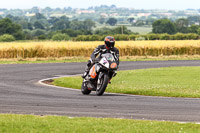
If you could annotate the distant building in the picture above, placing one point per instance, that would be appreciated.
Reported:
(104, 15)
(30, 14)
(166, 14)
(85, 11)
(143, 14)
(114, 14)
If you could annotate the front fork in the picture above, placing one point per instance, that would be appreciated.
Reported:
(99, 78)
(114, 73)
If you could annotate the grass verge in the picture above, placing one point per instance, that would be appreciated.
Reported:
(84, 59)
(10, 123)
(168, 82)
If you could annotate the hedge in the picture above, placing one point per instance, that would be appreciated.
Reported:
(120, 37)
(7, 38)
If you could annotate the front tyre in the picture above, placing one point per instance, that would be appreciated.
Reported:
(84, 89)
(103, 84)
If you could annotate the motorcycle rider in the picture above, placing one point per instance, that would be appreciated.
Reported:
(108, 47)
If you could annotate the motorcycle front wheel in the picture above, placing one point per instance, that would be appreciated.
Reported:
(101, 87)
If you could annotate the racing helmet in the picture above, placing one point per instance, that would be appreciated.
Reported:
(109, 42)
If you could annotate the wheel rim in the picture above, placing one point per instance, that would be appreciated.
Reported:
(99, 85)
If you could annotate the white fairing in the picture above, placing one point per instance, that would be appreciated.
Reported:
(104, 62)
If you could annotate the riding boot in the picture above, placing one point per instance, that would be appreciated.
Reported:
(86, 72)
(87, 69)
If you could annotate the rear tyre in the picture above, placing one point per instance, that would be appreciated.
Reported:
(104, 82)
(85, 90)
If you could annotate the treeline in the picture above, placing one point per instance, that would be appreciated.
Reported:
(38, 27)
(182, 25)
(61, 29)
(133, 37)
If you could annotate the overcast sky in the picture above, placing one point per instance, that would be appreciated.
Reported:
(137, 4)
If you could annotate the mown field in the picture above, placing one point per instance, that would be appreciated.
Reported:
(168, 82)
(140, 30)
(60, 124)
(46, 49)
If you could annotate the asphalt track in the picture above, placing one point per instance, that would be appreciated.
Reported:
(21, 93)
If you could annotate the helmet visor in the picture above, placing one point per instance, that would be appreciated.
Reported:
(110, 44)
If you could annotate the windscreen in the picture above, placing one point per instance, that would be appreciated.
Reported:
(108, 56)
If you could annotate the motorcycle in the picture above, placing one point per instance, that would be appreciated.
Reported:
(100, 74)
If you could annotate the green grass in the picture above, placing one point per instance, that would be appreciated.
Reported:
(59, 124)
(85, 59)
(140, 30)
(43, 60)
(168, 82)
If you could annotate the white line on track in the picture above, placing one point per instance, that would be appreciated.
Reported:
(60, 76)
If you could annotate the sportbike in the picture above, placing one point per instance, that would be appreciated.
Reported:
(100, 74)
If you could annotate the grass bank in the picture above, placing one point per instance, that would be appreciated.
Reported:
(60, 124)
(168, 82)
(85, 59)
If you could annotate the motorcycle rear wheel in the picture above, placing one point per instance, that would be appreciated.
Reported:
(84, 90)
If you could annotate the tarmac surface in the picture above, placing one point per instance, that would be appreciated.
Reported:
(20, 93)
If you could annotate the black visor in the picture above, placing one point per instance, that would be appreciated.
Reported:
(110, 44)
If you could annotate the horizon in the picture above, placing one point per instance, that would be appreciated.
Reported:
(142, 4)
(98, 6)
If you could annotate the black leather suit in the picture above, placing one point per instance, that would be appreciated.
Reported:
(101, 49)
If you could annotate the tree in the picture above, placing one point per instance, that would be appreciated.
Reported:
(53, 20)
(76, 25)
(35, 10)
(61, 24)
(41, 37)
(73, 33)
(30, 26)
(24, 24)
(139, 23)
(38, 32)
(164, 26)
(60, 37)
(104, 31)
(194, 19)
(182, 25)
(64, 18)
(7, 38)
(88, 24)
(150, 21)
(111, 21)
(101, 20)
(193, 28)
(28, 34)
(47, 10)
(198, 31)
(11, 17)
(130, 20)
(8, 27)
(39, 16)
(121, 30)
(38, 25)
